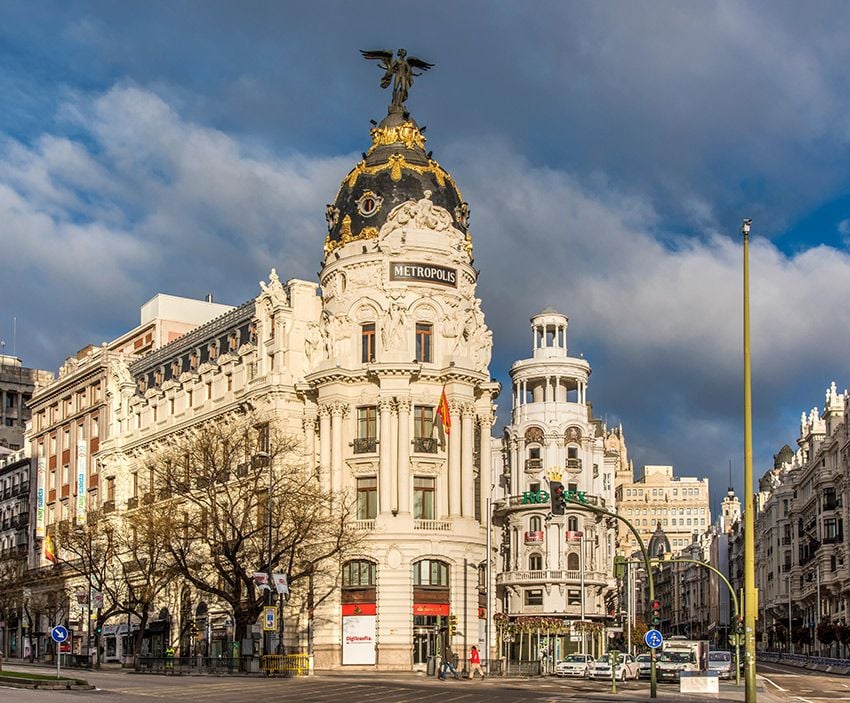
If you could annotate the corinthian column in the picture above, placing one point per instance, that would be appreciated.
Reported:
(467, 460)
(485, 461)
(454, 460)
(324, 444)
(403, 456)
(385, 466)
(338, 411)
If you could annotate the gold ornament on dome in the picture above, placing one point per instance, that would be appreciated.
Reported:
(397, 162)
(346, 235)
(407, 134)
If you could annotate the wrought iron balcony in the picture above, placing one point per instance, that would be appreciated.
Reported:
(574, 464)
(365, 445)
(533, 464)
(425, 445)
(132, 503)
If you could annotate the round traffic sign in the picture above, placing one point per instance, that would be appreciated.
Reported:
(653, 639)
(59, 634)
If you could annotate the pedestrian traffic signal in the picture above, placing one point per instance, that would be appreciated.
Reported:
(556, 494)
(452, 625)
(656, 613)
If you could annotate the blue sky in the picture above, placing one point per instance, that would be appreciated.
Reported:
(608, 151)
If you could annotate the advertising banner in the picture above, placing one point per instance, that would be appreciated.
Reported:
(41, 473)
(358, 639)
(82, 465)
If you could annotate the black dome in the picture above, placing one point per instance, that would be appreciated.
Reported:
(395, 169)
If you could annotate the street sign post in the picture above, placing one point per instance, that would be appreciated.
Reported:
(59, 634)
(653, 639)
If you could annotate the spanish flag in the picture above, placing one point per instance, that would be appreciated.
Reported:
(49, 549)
(443, 412)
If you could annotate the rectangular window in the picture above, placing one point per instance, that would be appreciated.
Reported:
(367, 430)
(423, 429)
(367, 342)
(534, 596)
(367, 498)
(423, 498)
(423, 342)
(110, 489)
(573, 597)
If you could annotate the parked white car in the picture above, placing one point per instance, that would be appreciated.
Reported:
(644, 662)
(575, 665)
(627, 668)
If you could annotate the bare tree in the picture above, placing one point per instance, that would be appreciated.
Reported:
(146, 560)
(244, 487)
(90, 550)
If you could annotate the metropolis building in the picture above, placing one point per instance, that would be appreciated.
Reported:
(354, 367)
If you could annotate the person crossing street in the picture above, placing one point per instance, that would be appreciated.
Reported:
(475, 663)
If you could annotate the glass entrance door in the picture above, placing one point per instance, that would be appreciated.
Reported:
(425, 633)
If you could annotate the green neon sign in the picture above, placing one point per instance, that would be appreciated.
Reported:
(530, 497)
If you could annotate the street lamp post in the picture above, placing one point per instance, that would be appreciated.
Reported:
(750, 604)
(267, 635)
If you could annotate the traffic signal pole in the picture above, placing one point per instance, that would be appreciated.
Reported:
(574, 500)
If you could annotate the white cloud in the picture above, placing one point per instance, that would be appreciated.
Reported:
(142, 200)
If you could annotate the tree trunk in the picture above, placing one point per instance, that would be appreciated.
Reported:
(140, 636)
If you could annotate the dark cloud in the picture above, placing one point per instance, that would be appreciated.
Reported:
(608, 151)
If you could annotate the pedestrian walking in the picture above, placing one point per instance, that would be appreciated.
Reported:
(475, 663)
(448, 663)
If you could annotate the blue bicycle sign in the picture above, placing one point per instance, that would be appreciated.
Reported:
(59, 634)
(653, 639)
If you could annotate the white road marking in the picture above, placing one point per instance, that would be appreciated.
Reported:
(773, 683)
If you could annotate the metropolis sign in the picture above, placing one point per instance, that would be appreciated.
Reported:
(428, 273)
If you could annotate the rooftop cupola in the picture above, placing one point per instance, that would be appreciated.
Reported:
(549, 334)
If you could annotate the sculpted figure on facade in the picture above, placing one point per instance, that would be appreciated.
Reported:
(274, 292)
(421, 214)
(335, 333)
(313, 345)
(392, 329)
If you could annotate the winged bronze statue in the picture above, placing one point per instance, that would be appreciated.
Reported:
(398, 71)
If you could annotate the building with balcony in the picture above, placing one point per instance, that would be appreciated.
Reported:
(70, 420)
(17, 384)
(802, 551)
(678, 504)
(554, 566)
(15, 528)
(353, 367)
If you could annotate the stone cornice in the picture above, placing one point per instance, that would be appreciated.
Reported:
(193, 338)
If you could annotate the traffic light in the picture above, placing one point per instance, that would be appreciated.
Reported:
(452, 625)
(656, 613)
(739, 624)
(556, 493)
(619, 566)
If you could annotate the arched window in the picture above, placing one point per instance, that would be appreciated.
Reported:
(430, 572)
(358, 573)
(572, 562)
(535, 562)
(572, 523)
(535, 524)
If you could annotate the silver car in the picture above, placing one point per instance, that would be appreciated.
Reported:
(644, 662)
(721, 662)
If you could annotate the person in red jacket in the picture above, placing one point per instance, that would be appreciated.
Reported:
(475, 663)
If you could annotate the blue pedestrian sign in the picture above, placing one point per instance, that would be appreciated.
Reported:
(59, 634)
(653, 639)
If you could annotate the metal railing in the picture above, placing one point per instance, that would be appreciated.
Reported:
(286, 664)
(425, 445)
(365, 445)
(197, 665)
